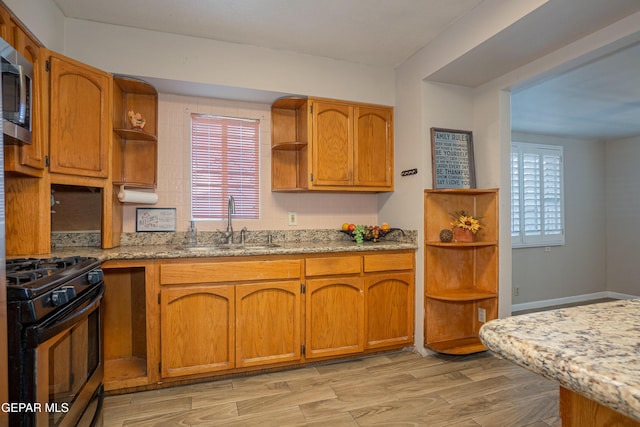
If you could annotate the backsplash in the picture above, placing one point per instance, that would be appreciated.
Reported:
(62, 240)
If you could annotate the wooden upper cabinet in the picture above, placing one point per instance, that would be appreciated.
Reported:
(332, 142)
(80, 116)
(33, 156)
(26, 159)
(6, 25)
(373, 147)
(328, 145)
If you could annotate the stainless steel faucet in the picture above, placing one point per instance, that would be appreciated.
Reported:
(192, 234)
(231, 209)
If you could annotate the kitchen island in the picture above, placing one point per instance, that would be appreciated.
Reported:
(592, 351)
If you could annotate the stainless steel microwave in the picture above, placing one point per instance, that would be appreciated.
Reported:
(17, 95)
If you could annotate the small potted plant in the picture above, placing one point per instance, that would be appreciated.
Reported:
(464, 227)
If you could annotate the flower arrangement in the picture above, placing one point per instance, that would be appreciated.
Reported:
(465, 221)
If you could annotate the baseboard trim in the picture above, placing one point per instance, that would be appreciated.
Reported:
(569, 300)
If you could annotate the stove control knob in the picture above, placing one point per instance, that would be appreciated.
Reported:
(71, 292)
(59, 298)
(95, 276)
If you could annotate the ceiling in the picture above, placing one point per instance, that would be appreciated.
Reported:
(598, 100)
(373, 32)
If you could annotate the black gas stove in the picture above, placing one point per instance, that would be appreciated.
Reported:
(42, 285)
(55, 340)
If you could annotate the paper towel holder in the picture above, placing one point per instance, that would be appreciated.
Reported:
(139, 197)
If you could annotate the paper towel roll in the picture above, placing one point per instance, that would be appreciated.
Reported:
(143, 197)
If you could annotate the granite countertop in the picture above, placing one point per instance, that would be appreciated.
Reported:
(204, 250)
(593, 350)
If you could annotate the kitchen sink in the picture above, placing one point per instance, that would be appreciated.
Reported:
(228, 247)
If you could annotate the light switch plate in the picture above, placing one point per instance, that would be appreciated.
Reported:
(482, 315)
(293, 218)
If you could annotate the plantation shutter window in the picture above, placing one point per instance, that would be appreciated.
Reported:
(224, 162)
(537, 200)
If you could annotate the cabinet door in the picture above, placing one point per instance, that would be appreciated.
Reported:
(373, 147)
(80, 111)
(267, 323)
(334, 317)
(196, 329)
(27, 159)
(389, 309)
(33, 155)
(6, 25)
(332, 144)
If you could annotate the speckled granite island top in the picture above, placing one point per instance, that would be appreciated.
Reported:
(593, 350)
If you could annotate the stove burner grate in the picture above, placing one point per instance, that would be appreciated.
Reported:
(20, 271)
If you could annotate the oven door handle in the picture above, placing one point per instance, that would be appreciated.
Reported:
(41, 333)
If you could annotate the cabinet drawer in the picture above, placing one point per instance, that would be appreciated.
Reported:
(333, 265)
(387, 262)
(229, 271)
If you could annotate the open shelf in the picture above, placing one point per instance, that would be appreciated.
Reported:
(134, 85)
(289, 146)
(462, 295)
(461, 279)
(125, 327)
(135, 135)
(458, 244)
(135, 151)
(125, 373)
(458, 346)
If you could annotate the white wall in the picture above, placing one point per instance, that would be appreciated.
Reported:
(492, 114)
(579, 267)
(421, 105)
(43, 18)
(623, 215)
(168, 56)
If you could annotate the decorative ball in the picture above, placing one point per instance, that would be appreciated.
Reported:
(446, 235)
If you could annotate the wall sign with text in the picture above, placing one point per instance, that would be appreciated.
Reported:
(155, 219)
(452, 158)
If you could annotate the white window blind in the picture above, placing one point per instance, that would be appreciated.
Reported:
(537, 199)
(224, 162)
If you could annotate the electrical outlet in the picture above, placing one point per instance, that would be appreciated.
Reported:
(293, 218)
(482, 315)
(516, 291)
(547, 248)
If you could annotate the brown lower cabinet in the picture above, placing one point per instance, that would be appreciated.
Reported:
(335, 312)
(197, 329)
(181, 320)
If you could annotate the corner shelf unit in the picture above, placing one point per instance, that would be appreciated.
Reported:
(135, 151)
(461, 279)
(289, 144)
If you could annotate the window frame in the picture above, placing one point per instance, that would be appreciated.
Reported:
(246, 207)
(519, 237)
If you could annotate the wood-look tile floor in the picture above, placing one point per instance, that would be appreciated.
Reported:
(393, 389)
